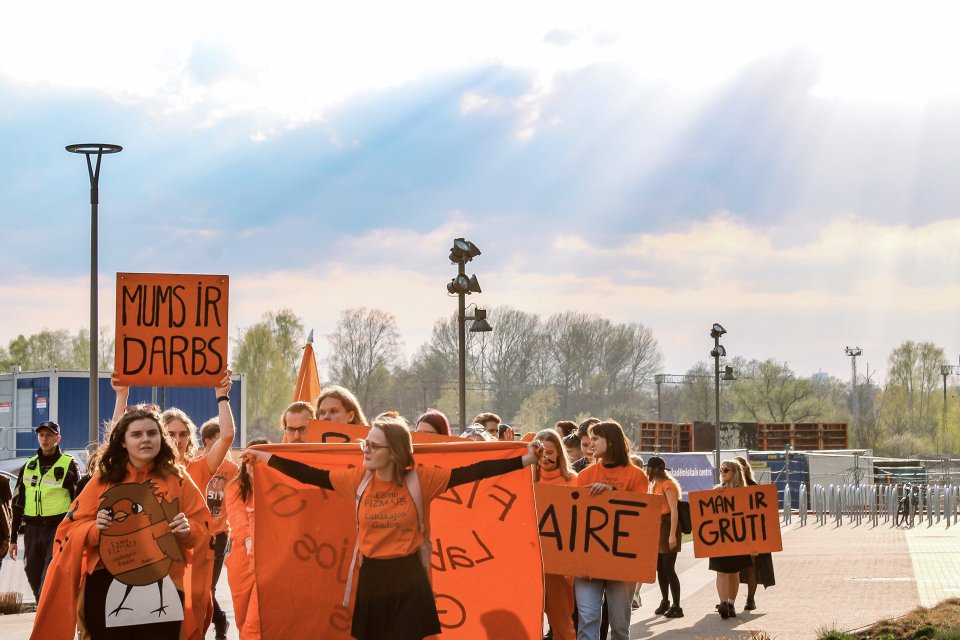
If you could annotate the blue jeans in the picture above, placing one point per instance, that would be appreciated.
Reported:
(590, 594)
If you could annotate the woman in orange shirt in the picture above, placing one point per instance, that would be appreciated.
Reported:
(613, 471)
(663, 483)
(246, 605)
(394, 598)
(139, 499)
(554, 468)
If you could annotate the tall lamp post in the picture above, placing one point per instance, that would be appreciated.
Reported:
(99, 150)
(462, 252)
(945, 370)
(716, 353)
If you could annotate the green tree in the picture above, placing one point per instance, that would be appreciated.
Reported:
(268, 353)
(910, 403)
(538, 411)
(769, 391)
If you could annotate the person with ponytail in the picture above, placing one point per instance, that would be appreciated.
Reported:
(554, 468)
(394, 598)
(662, 483)
(613, 470)
(240, 576)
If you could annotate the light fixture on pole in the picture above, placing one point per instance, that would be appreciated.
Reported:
(462, 252)
(99, 150)
(716, 353)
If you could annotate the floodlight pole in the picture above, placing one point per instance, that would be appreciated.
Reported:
(98, 149)
(716, 393)
(462, 348)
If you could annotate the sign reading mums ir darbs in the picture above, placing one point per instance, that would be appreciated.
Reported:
(171, 329)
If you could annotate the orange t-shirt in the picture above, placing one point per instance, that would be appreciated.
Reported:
(661, 489)
(625, 478)
(555, 477)
(199, 471)
(389, 527)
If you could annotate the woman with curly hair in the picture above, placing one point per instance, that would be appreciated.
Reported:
(138, 488)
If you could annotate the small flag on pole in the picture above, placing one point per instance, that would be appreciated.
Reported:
(308, 380)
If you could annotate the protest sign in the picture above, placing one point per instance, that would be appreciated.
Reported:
(735, 521)
(612, 536)
(171, 329)
(481, 532)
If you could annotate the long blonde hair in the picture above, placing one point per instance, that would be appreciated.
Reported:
(347, 399)
(178, 414)
(738, 480)
(563, 459)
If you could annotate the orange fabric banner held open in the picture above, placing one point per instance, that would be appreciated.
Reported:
(734, 522)
(322, 431)
(487, 576)
(611, 536)
(171, 329)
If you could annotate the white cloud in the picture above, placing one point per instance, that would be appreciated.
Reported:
(856, 282)
(295, 60)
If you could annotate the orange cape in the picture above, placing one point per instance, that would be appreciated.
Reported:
(75, 555)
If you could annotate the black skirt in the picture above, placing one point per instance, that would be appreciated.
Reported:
(394, 601)
(763, 562)
(730, 564)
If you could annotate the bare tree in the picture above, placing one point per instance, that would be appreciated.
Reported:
(364, 347)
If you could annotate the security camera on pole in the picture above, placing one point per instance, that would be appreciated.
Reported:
(462, 252)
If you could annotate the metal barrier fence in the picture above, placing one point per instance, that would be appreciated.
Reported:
(899, 505)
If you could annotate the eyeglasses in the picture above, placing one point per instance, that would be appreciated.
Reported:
(725, 470)
(294, 430)
(371, 447)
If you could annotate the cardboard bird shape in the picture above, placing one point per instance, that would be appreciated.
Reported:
(138, 546)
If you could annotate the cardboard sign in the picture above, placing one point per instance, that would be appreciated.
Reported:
(482, 532)
(171, 329)
(734, 522)
(611, 536)
(138, 547)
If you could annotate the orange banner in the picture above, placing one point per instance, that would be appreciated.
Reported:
(611, 536)
(322, 431)
(171, 329)
(482, 533)
(734, 522)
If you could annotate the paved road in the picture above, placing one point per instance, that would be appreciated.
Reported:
(827, 577)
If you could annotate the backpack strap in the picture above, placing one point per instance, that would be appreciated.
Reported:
(356, 546)
(412, 480)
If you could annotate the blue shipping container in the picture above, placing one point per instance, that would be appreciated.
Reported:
(781, 475)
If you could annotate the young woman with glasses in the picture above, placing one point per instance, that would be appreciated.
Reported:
(394, 598)
(728, 568)
(613, 471)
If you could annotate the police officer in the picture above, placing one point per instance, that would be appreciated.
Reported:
(46, 486)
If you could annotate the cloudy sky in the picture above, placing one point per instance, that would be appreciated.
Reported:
(789, 173)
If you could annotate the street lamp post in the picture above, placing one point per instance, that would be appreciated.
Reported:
(98, 149)
(462, 252)
(718, 352)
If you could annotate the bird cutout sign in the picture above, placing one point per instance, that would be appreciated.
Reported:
(138, 548)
